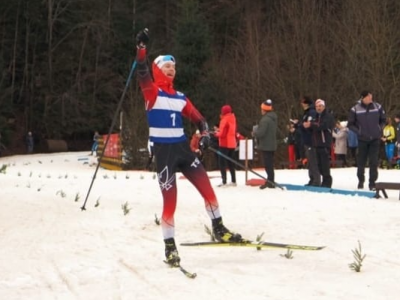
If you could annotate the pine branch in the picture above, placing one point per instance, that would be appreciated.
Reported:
(358, 257)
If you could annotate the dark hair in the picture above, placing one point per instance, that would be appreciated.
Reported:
(397, 116)
(306, 100)
(364, 94)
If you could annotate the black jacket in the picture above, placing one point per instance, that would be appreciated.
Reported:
(309, 115)
(367, 121)
(322, 129)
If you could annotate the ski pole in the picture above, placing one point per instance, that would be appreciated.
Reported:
(110, 130)
(244, 168)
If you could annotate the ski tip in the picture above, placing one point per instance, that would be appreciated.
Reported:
(184, 271)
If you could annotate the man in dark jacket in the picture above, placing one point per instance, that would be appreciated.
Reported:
(367, 119)
(321, 129)
(266, 136)
(309, 115)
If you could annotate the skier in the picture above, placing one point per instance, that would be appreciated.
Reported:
(95, 144)
(165, 109)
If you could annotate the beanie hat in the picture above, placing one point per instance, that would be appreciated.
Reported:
(163, 59)
(267, 105)
(226, 109)
(319, 102)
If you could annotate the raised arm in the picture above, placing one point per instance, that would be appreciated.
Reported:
(149, 89)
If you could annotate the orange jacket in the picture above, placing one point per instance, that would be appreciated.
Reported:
(227, 131)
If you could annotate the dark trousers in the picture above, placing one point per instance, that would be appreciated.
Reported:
(223, 162)
(353, 153)
(312, 161)
(324, 166)
(268, 157)
(368, 150)
(342, 158)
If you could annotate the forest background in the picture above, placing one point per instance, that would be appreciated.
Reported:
(64, 63)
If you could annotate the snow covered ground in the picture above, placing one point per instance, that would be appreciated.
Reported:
(51, 249)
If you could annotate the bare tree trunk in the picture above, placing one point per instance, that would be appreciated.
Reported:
(50, 42)
(26, 80)
(81, 60)
(15, 57)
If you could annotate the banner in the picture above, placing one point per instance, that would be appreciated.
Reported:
(113, 146)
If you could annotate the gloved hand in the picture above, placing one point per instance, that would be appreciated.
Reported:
(142, 38)
(204, 142)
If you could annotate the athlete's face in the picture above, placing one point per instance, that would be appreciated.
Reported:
(169, 70)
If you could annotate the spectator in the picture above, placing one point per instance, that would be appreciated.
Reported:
(367, 119)
(352, 143)
(194, 144)
(309, 115)
(322, 128)
(29, 142)
(294, 145)
(226, 135)
(265, 133)
(389, 138)
(214, 144)
(397, 120)
(340, 134)
(95, 144)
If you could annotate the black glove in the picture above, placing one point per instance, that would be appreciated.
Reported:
(142, 38)
(204, 142)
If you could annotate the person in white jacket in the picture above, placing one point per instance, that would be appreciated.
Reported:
(340, 135)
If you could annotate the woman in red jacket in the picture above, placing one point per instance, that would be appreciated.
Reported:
(227, 143)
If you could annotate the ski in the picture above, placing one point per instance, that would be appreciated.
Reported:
(184, 271)
(254, 244)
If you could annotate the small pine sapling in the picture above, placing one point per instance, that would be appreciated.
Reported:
(125, 208)
(61, 193)
(3, 169)
(97, 202)
(77, 197)
(288, 254)
(157, 220)
(358, 259)
(259, 239)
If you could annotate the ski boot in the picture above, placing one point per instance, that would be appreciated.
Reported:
(222, 234)
(171, 253)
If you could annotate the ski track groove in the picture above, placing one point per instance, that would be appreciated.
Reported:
(132, 270)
